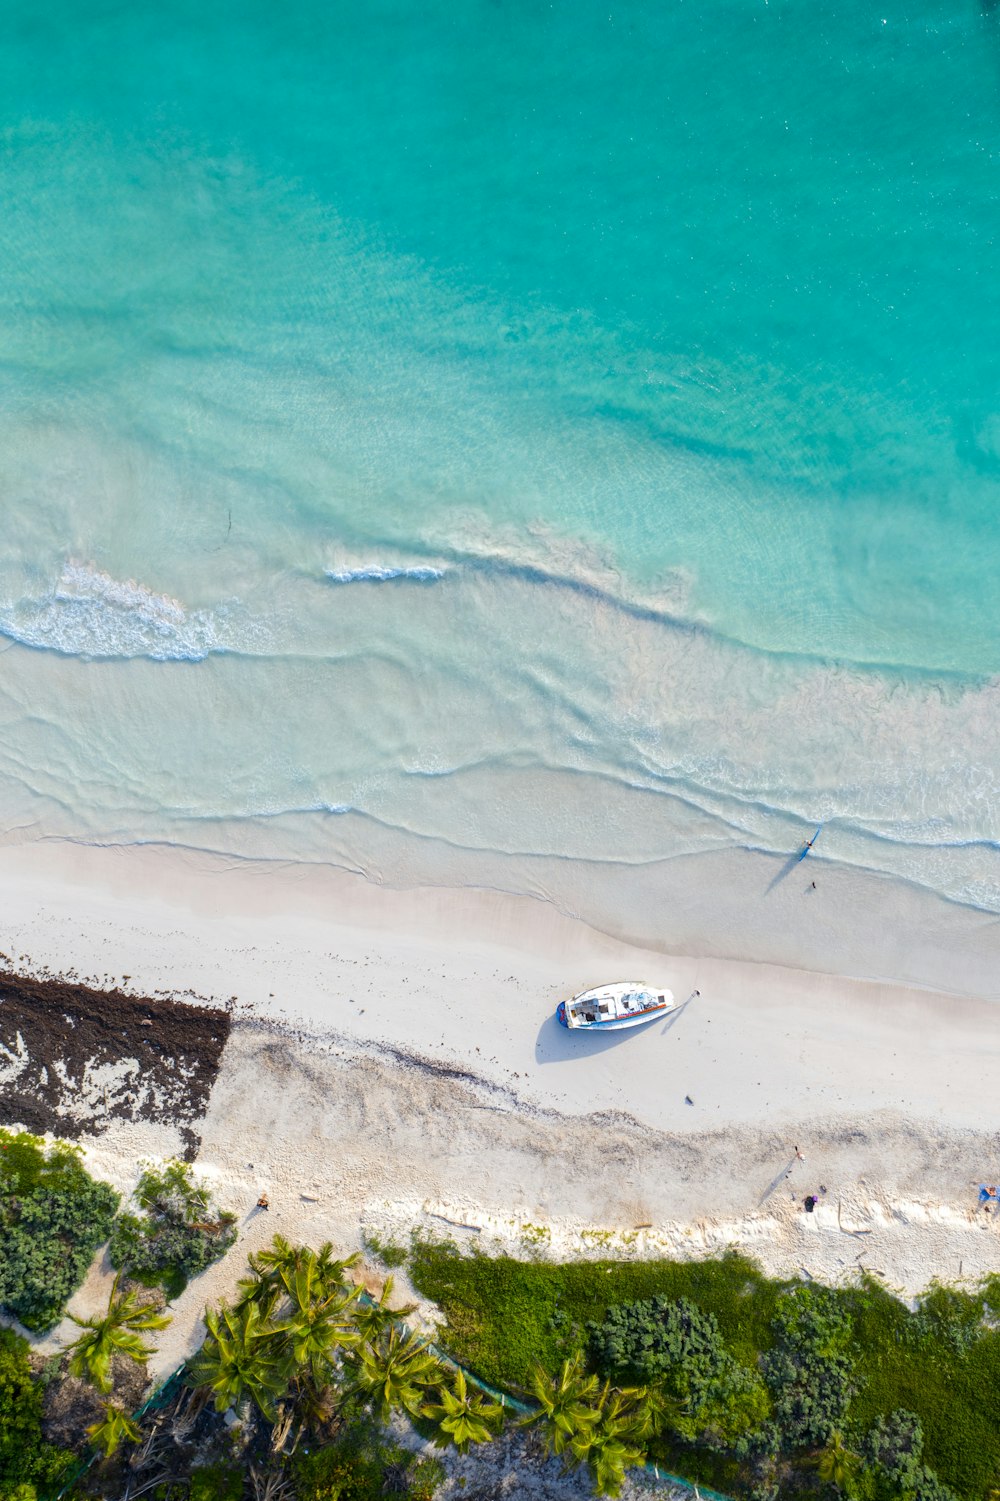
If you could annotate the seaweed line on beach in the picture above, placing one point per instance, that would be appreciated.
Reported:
(73, 1058)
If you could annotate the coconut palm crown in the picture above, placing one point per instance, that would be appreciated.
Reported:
(315, 1322)
(568, 1404)
(116, 1332)
(239, 1360)
(463, 1417)
(610, 1446)
(394, 1372)
(113, 1429)
(372, 1319)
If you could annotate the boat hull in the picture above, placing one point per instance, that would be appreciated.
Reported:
(614, 1008)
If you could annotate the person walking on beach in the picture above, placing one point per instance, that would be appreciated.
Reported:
(262, 1202)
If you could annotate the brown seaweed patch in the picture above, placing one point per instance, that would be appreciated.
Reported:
(72, 1059)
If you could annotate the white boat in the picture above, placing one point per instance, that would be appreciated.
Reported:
(608, 1008)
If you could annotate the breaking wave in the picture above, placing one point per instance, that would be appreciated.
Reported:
(92, 615)
(375, 573)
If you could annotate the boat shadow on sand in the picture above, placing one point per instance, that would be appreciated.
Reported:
(557, 1044)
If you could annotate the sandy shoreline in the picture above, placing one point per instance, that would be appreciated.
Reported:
(394, 1063)
(472, 979)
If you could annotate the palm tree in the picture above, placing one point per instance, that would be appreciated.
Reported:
(303, 1300)
(633, 1411)
(372, 1319)
(463, 1417)
(609, 1457)
(260, 1287)
(838, 1465)
(317, 1322)
(116, 1427)
(567, 1403)
(276, 1264)
(117, 1332)
(611, 1446)
(394, 1372)
(331, 1269)
(656, 1411)
(240, 1358)
(279, 1253)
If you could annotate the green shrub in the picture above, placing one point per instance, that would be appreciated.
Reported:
(895, 1448)
(390, 1256)
(506, 1316)
(951, 1316)
(26, 1459)
(810, 1371)
(53, 1217)
(424, 1479)
(338, 1473)
(871, 1357)
(178, 1233)
(660, 1339)
(216, 1483)
(674, 1344)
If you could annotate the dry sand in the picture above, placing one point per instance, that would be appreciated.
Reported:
(395, 1063)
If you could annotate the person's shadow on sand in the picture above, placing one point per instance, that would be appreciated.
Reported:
(775, 1183)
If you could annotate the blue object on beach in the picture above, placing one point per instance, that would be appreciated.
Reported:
(810, 843)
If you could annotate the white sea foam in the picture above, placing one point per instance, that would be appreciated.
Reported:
(87, 613)
(378, 573)
(515, 729)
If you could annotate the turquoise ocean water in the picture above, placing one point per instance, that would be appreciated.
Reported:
(436, 437)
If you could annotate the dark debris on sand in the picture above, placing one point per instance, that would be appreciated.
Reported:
(72, 1059)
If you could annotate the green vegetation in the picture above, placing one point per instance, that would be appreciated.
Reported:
(392, 1372)
(762, 1386)
(115, 1427)
(361, 1467)
(506, 1316)
(53, 1217)
(758, 1387)
(303, 1354)
(117, 1332)
(26, 1460)
(675, 1345)
(586, 1422)
(463, 1417)
(390, 1256)
(177, 1234)
(216, 1483)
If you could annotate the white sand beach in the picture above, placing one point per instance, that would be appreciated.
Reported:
(395, 1063)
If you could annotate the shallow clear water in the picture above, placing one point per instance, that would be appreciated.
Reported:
(503, 431)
